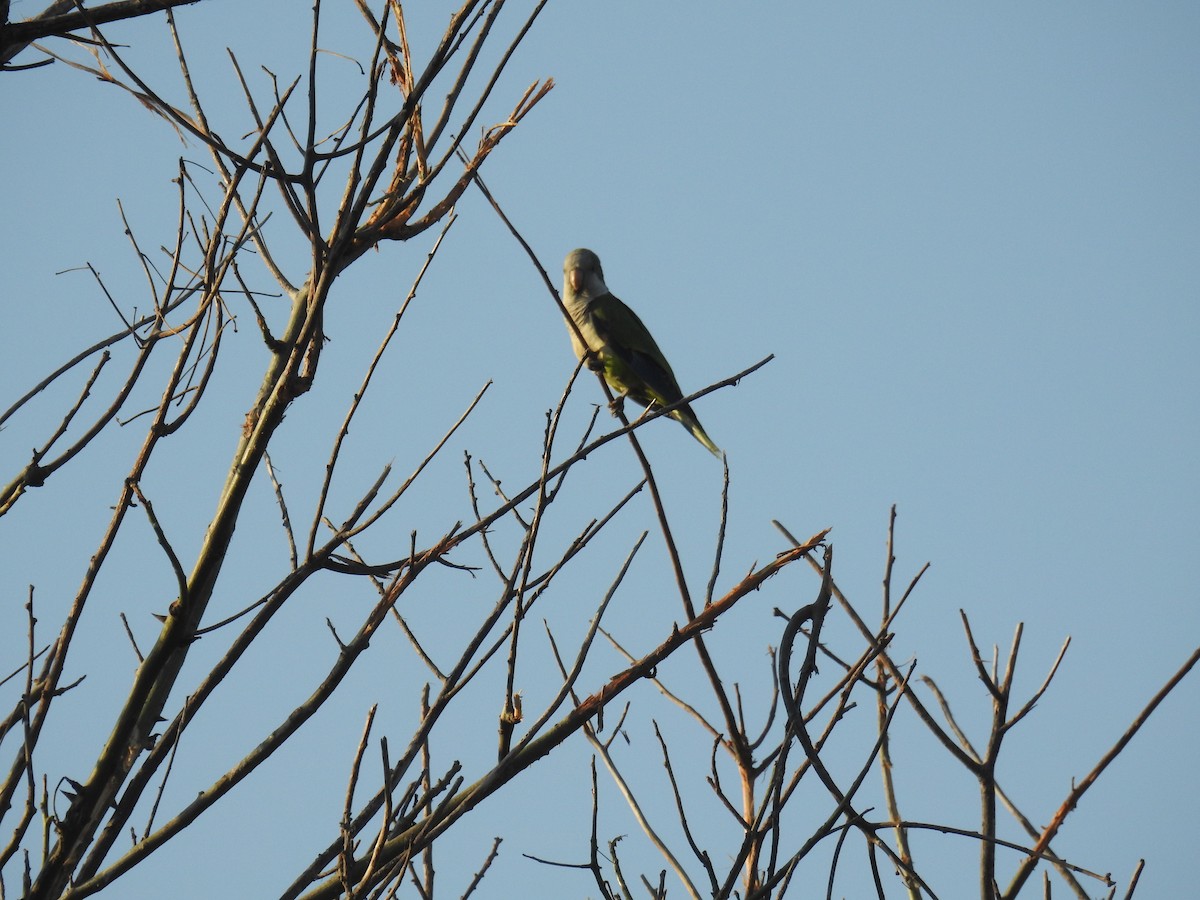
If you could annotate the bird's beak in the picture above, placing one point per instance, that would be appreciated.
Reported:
(575, 279)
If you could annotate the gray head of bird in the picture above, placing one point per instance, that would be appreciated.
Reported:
(583, 279)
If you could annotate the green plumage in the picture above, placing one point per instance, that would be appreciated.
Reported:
(631, 361)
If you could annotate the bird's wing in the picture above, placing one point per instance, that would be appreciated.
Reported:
(625, 335)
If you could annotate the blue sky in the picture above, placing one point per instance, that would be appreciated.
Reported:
(969, 234)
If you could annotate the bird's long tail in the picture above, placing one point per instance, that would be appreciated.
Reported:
(688, 420)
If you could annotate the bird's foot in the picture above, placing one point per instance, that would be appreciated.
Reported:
(617, 406)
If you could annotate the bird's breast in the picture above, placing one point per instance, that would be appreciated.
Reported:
(581, 316)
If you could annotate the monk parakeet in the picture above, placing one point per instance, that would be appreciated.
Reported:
(626, 354)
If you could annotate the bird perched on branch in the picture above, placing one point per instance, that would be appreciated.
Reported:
(623, 350)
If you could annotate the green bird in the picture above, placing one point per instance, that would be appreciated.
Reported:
(625, 353)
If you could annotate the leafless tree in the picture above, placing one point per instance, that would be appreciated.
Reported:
(388, 174)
